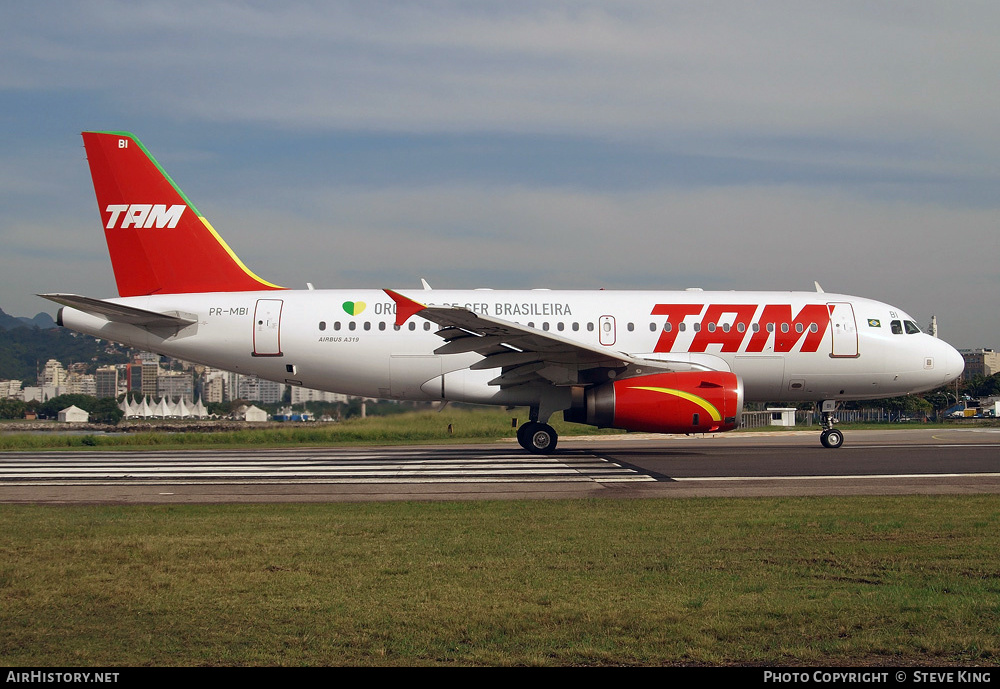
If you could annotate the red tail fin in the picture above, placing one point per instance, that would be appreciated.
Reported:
(158, 241)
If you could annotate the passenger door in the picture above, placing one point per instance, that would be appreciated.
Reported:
(267, 327)
(844, 329)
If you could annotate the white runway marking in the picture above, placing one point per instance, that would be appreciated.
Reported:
(846, 477)
(307, 466)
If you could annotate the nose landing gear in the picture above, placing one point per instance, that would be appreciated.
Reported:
(830, 437)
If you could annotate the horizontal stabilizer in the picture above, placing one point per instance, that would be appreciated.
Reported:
(120, 313)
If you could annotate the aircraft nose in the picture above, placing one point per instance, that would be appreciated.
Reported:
(950, 361)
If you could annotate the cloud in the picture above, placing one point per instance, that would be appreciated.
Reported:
(628, 69)
(524, 144)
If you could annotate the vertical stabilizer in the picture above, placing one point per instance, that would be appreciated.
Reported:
(158, 241)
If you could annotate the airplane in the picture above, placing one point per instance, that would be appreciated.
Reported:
(680, 362)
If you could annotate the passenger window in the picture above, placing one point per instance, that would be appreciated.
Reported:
(413, 326)
(576, 326)
(381, 325)
(427, 325)
(336, 325)
(631, 327)
(799, 328)
(897, 328)
(784, 327)
(352, 325)
(322, 325)
(368, 325)
(560, 327)
(590, 327)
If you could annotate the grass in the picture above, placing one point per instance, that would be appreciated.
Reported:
(449, 425)
(797, 581)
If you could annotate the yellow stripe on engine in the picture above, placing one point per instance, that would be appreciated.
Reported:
(700, 401)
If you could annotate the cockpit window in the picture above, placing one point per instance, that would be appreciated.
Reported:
(911, 327)
(897, 328)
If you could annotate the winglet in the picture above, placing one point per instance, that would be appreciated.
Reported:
(405, 307)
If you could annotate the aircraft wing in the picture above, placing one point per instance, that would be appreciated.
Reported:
(119, 313)
(524, 354)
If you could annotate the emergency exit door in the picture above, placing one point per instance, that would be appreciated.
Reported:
(606, 328)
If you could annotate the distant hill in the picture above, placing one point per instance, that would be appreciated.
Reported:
(42, 320)
(24, 351)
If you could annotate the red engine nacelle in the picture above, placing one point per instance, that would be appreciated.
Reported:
(688, 402)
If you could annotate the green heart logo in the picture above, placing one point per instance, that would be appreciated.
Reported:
(354, 308)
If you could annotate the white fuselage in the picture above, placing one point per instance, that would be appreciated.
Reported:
(785, 346)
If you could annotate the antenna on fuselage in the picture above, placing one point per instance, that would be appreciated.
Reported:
(425, 284)
(818, 288)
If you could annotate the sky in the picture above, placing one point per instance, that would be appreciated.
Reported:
(581, 145)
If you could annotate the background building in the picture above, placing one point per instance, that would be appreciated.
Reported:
(10, 389)
(300, 395)
(174, 385)
(53, 374)
(213, 387)
(150, 373)
(980, 362)
(106, 379)
(80, 384)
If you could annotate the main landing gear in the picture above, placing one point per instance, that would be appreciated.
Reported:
(537, 438)
(830, 437)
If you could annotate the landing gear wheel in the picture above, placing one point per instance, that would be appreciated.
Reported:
(522, 434)
(831, 438)
(537, 438)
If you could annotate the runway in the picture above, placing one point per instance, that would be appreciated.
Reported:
(628, 466)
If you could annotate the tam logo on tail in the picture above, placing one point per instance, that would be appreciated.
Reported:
(144, 215)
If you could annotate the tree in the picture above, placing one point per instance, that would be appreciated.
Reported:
(12, 409)
(106, 410)
(51, 409)
(983, 386)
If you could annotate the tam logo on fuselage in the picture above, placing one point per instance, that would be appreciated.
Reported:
(742, 327)
(144, 215)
